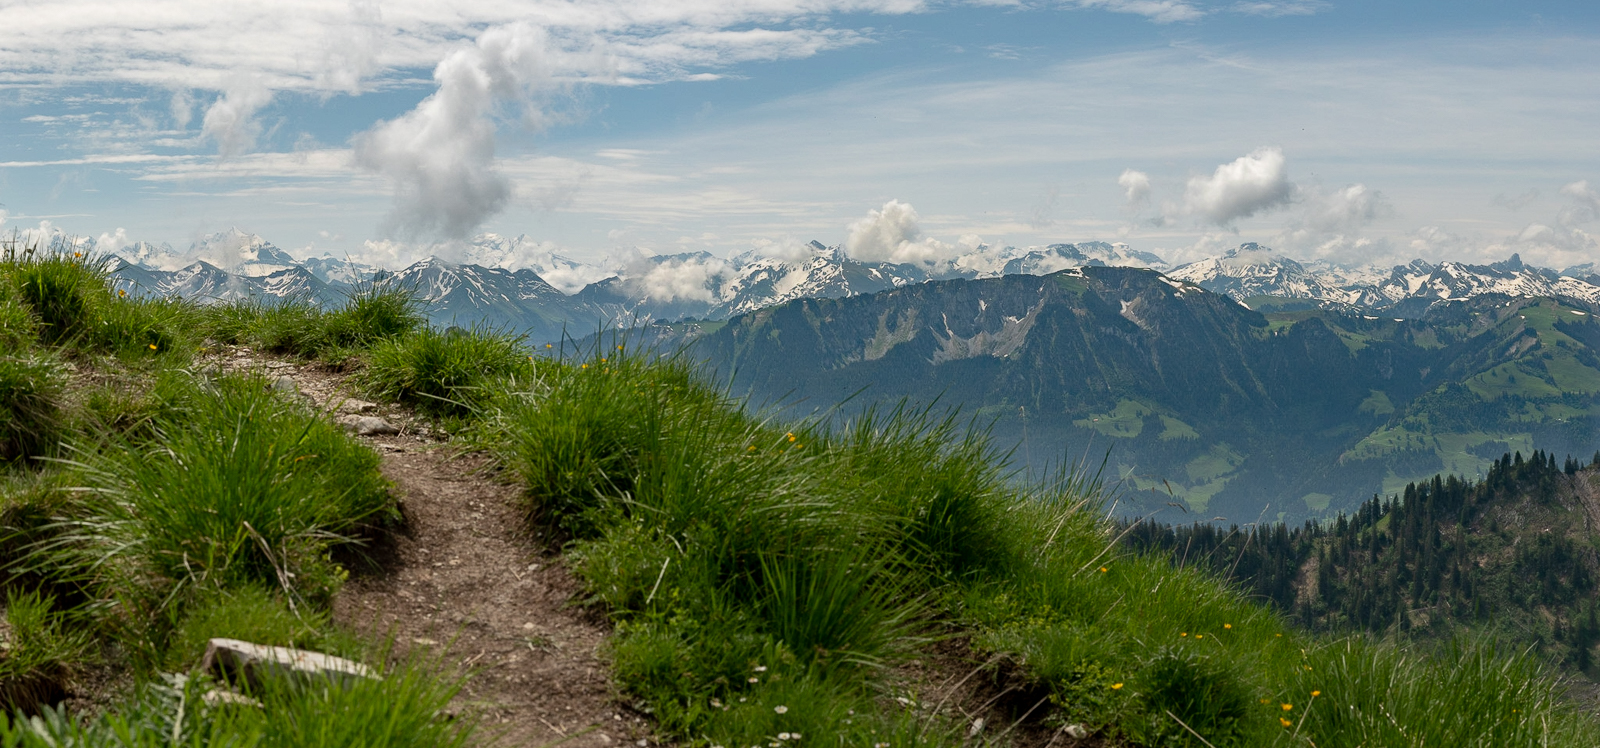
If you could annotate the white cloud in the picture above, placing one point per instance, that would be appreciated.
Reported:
(440, 155)
(1344, 211)
(893, 235)
(691, 278)
(109, 242)
(1276, 8)
(1160, 11)
(231, 123)
(1248, 185)
(1585, 203)
(1135, 186)
(1329, 225)
(786, 248)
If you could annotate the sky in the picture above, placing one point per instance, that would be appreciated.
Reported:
(1355, 132)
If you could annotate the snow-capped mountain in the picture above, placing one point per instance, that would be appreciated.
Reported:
(476, 296)
(519, 284)
(827, 273)
(986, 262)
(333, 270)
(207, 284)
(1253, 270)
(522, 252)
(232, 251)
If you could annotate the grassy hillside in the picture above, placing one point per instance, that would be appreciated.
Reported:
(768, 581)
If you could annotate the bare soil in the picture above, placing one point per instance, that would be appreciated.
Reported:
(463, 581)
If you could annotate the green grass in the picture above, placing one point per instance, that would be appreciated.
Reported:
(444, 373)
(751, 565)
(239, 487)
(369, 314)
(31, 418)
(401, 710)
(147, 508)
(41, 651)
(253, 613)
(67, 300)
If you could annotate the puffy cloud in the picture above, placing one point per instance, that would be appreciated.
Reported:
(695, 277)
(231, 123)
(1250, 184)
(1585, 204)
(111, 242)
(1135, 187)
(440, 155)
(892, 234)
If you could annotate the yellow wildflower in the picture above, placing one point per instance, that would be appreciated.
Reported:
(1116, 686)
(1284, 722)
(1287, 707)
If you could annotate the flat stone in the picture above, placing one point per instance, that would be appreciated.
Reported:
(356, 406)
(284, 384)
(367, 425)
(251, 662)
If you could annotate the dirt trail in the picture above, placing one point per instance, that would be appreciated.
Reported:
(463, 580)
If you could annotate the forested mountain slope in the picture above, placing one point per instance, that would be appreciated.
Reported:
(1205, 405)
(1515, 553)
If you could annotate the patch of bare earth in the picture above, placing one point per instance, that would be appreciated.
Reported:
(989, 695)
(462, 580)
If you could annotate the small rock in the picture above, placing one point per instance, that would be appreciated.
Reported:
(284, 384)
(251, 662)
(1077, 732)
(367, 425)
(356, 406)
(977, 727)
(220, 697)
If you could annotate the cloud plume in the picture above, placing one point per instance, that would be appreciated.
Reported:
(440, 155)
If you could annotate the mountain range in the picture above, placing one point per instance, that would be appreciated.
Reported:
(1201, 405)
(522, 285)
(1244, 385)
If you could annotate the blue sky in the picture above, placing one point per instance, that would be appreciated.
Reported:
(1347, 131)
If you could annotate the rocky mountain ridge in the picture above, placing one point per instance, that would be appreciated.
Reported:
(516, 283)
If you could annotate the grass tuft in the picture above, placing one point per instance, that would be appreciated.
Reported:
(444, 373)
(31, 419)
(241, 487)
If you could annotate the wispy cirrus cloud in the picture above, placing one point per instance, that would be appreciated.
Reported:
(1160, 11)
(1279, 8)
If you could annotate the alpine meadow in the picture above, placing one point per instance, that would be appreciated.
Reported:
(773, 374)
